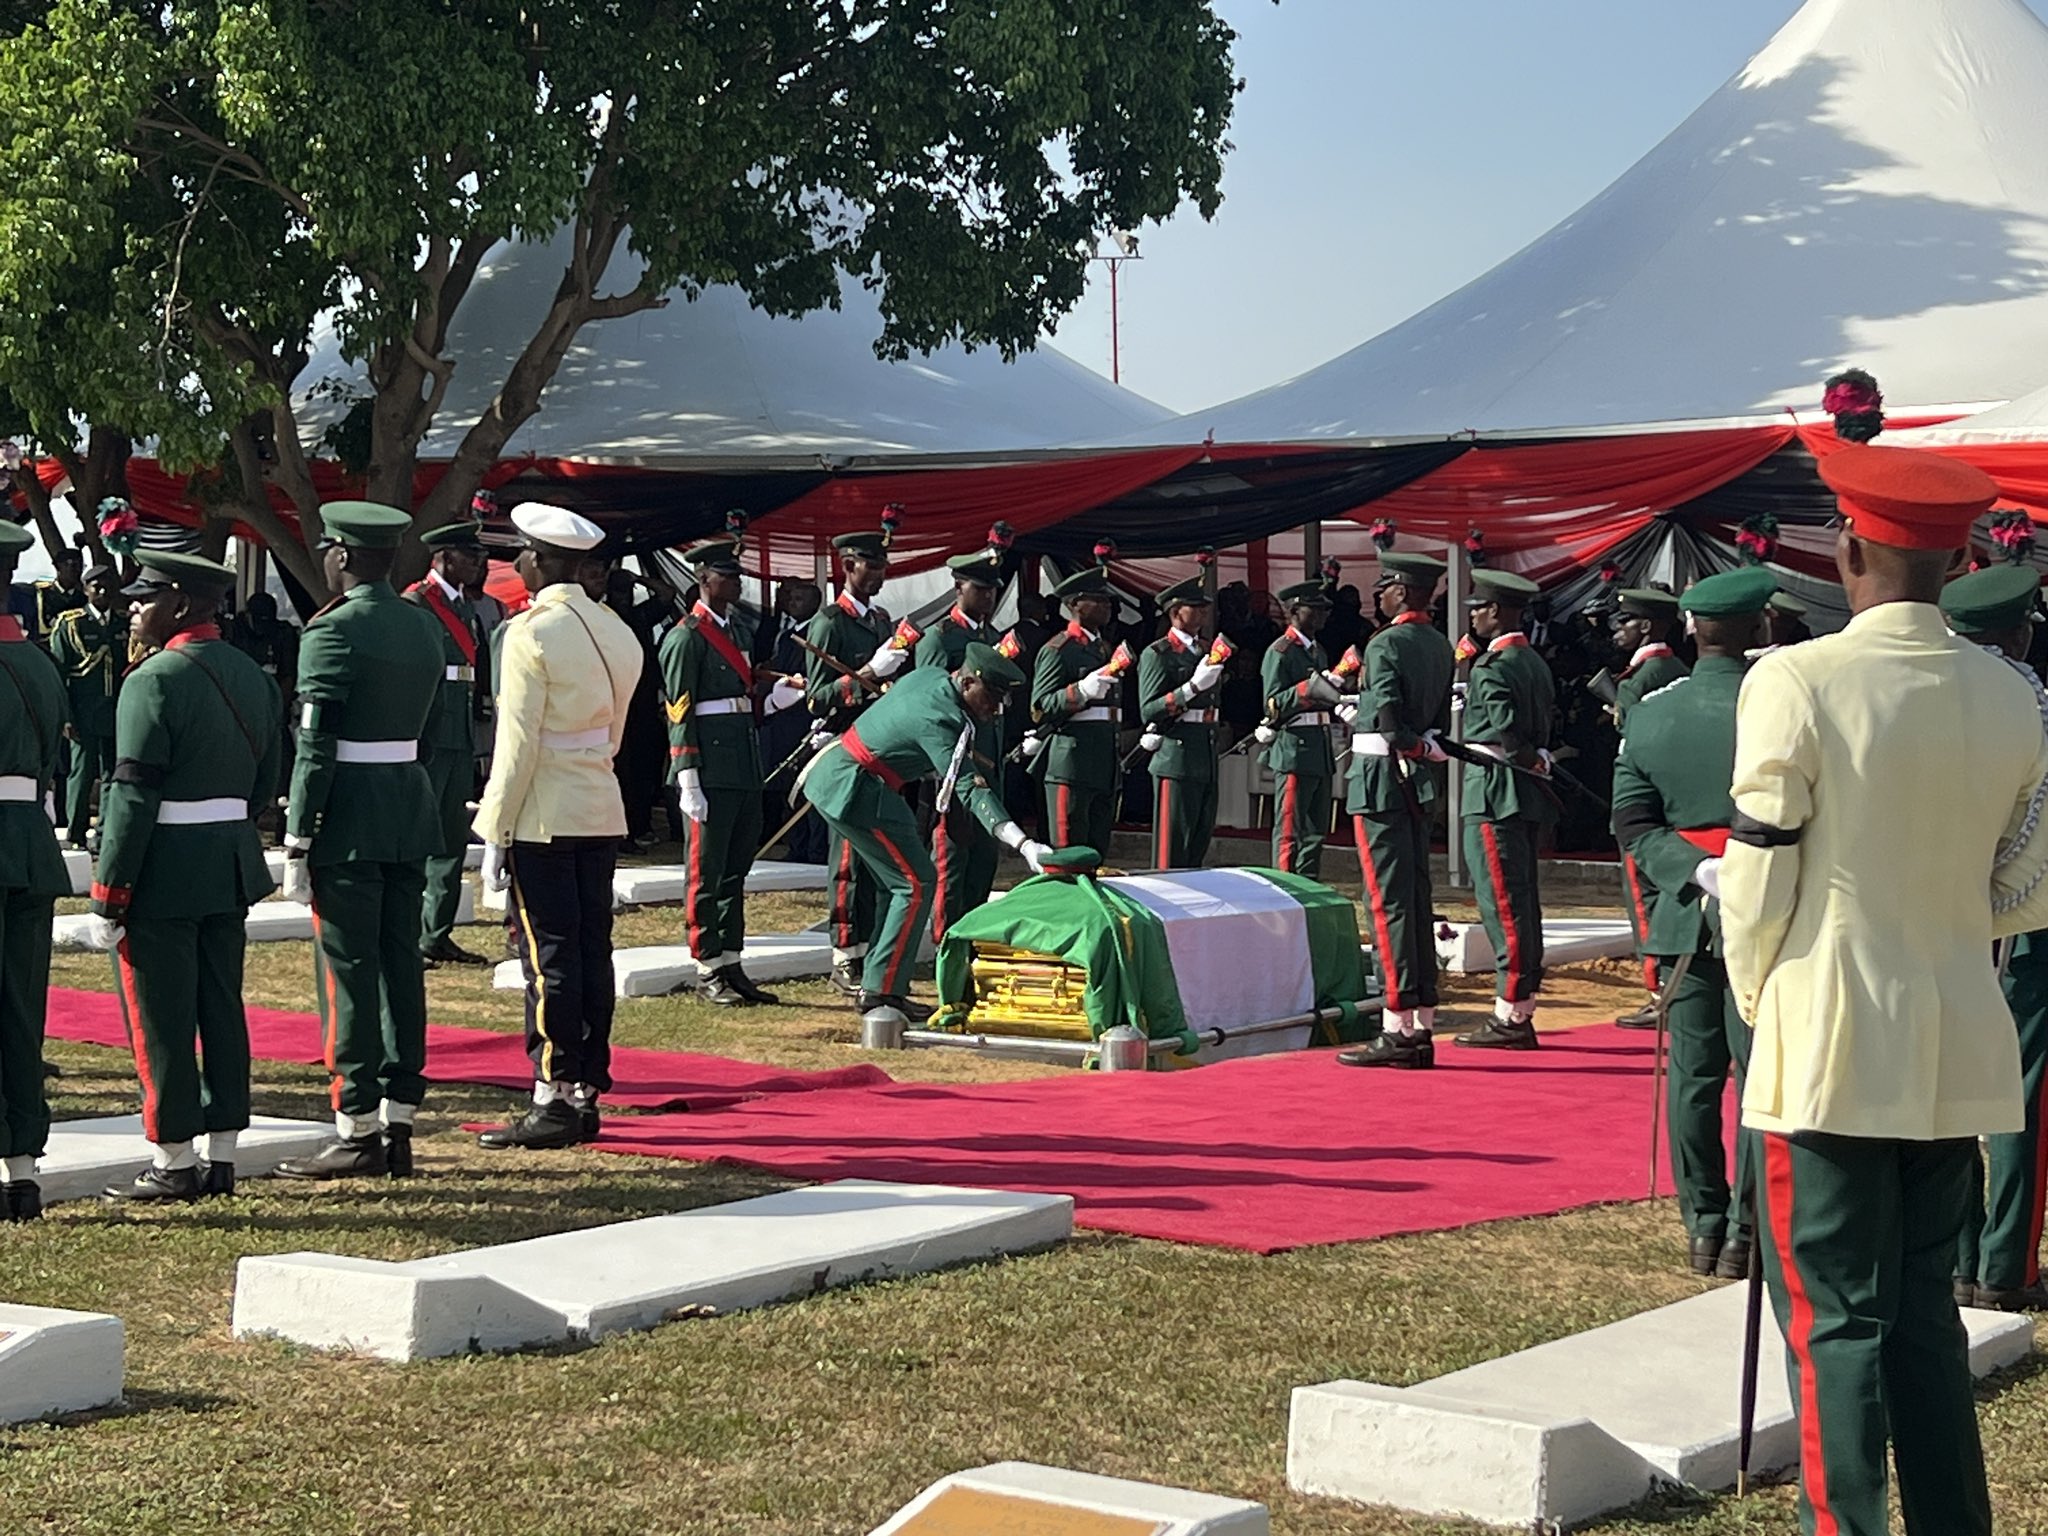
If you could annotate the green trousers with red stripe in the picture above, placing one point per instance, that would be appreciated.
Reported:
(2000, 1247)
(1393, 862)
(180, 982)
(718, 852)
(1638, 903)
(1708, 1043)
(1301, 823)
(1861, 1234)
(854, 897)
(1501, 856)
(25, 919)
(888, 851)
(966, 857)
(1079, 816)
(452, 772)
(1183, 821)
(372, 990)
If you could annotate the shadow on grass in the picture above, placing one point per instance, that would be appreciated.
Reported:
(136, 1402)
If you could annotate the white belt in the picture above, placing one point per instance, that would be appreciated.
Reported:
(460, 674)
(719, 707)
(576, 741)
(201, 813)
(1197, 717)
(1371, 744)
(18, 787)
(376, 751)
(1312, 717)
(1099, 712)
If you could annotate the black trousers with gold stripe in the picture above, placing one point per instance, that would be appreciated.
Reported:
(560, 913)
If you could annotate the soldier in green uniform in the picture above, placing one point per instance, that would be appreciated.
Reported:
(855, 632)
(1177, 684)
(1075, 719)
(1643, 621)
(90, 646)
(1672, 804)
(64, 591)
(926, 724)
(1404, 706)
(1999, 1260)
(359, 829)
(32, 877)
(962, 850)
(708, 692)
(1509, 701)
(181, 863)
(1300, 693)
(449, 754)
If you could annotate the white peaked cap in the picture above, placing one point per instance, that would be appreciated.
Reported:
(558, 526)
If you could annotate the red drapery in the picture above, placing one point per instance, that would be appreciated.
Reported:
(2020, 469)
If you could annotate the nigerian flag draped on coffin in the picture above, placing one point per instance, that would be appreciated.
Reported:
(1182, 949)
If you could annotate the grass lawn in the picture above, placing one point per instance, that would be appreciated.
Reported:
(1110, 1354)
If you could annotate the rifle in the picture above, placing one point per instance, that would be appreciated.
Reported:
(1465, 754)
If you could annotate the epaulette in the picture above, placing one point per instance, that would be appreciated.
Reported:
(690, 622)
(1281, 647)
(320, 613)
(1057, 641)
(1658, 693)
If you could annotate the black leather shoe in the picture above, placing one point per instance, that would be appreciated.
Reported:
(1734, 1262)
(24, 1199)
(1388, 1051)
(448, 952)
(1706, 1253)
(1644, 1017)
(216, 1180)
(846, 977)
(868, 1002)
(1500, 1035)
(743, 984)
(589, 1125)
(716, 988)
(543, 1128)
(2022, 1298)
(398, 1151)
(350, 1158)
(156, 1186)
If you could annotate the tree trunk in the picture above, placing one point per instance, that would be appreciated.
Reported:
(39, 508)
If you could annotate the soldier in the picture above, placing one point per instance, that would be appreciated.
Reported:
(1788, 621)
(551, 818)
(1299, 694)
(32, 877)
(1999, 1257)
(90, 646)
(1177, 679)
(1643, 622)
(855, 633)
(1404, 705)
(1671, 808)
(64, 591)
(962, 850)
(708, 691)
(926, 724)
(359, 828)
(181, 863)
(1506, 805)
(455, 552)
(1075, 720)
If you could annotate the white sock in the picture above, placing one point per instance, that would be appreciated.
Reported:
(220, 1146)
(1425, 1021)
(547, 1093)
(848, 956)
(352, 1128)
(582, 1095)
(1503, 1010)
(20, 1168)
(1525, 1012)
(173, 1154)
(392, 1113)
(1397, 1021)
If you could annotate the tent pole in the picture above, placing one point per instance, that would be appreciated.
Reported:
(1457, 581)
(1311, 550)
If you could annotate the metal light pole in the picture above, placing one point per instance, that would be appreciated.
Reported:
(1126, 250)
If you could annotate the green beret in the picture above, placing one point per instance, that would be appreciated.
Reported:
(1991, 601)
(1305, 594)
(364, 524)
(867, 544)
(991, 666)
(1089, 581)
(193, 574)
(1077, 860)
(14, 538)
(1405, 563)
(1490, 586)
(719, 555)
(1192, 592)
(1785, 602)
(1730, 593)
(982, 568)
(1648, 603)
(453, 536)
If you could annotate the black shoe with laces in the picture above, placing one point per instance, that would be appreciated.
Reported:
(216, 1180)
(543, 1128)
(156, 1186)
(1501, 1035)
(743, 984)
(1412, 1053)
(397, 1151)
(24, 1200)
(352, 1157)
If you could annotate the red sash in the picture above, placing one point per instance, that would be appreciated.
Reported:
(1712, 841)
(720, 641)
(197, 632)
(437, 601)
(10, 628)
(859, 752)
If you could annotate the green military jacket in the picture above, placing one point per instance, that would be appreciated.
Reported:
(449, 729)
(32, 718)
(1674, 774)
(1657, 670)
(703, 664)
(198, 721)
(52, 603)
(1285, 673)
(1510, 703)
(850, 638)
(370, 671)
(913, 732)
(1077, 750)
(945, 645)
(1406, 691)
(1165, 668)
(92, 652)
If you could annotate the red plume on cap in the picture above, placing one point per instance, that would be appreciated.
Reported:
(1757, 539)
(2012, 534)
(736, 525)
(892, 519)
(1382, 534)
(1205, 556)
(1001, 537)
(1331, 569)
(1475, 547)
(1857, 404)
(1105, 551)
(483, 504)
(1610, 573)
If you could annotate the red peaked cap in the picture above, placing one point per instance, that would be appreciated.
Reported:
(1908, 498)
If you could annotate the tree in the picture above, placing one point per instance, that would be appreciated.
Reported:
(238, 167)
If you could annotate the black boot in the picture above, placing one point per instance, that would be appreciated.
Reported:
(589, 1125)
(846, 976)
(543, 1128)
(868, 1002)
(1644, 1017)
(1412, 1052)
(448, 952)
(156, 1186)
(743, 984)
(716, 988)
(24, 1199)
(1705, 1253)
(351, 1157)
(1734, 1263)
(1502, 1035)
(216, 1180)
(398, 1151)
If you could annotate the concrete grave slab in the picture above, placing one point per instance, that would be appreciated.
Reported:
(1576, 1427)
(1025, 1497)
(78, 865)
(472, 858)
(575, 1286)
(1565, 939)
(53, 1361)
(85, 1156)
(269, 922)
(650, 885)
(656, 970)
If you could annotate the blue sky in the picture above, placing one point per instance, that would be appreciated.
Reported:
(1388, 151)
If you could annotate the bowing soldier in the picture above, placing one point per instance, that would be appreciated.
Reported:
(181, 863)
(1178, 676)
(359, 827)
(708, 690)
(1300, 693)
(456, 556)
(90, 646)
(32, 877)
(1404, 706)
(551, 818)
(1671, 810)
(1075, 685)
(1509, 702)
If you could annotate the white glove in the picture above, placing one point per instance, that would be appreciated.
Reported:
(497, 867)
(1031, 746)
(1035, 854)
(1265, 735)
(1207, 675)
(786, 694)
(298, 880)
(103, 933)
(1432, 749)
(1151, 741)
(1347, 713)
(1707, 876)
(1097, 685)
(1543, 760)
(820, 738)
(888, 661)
(690, 794)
